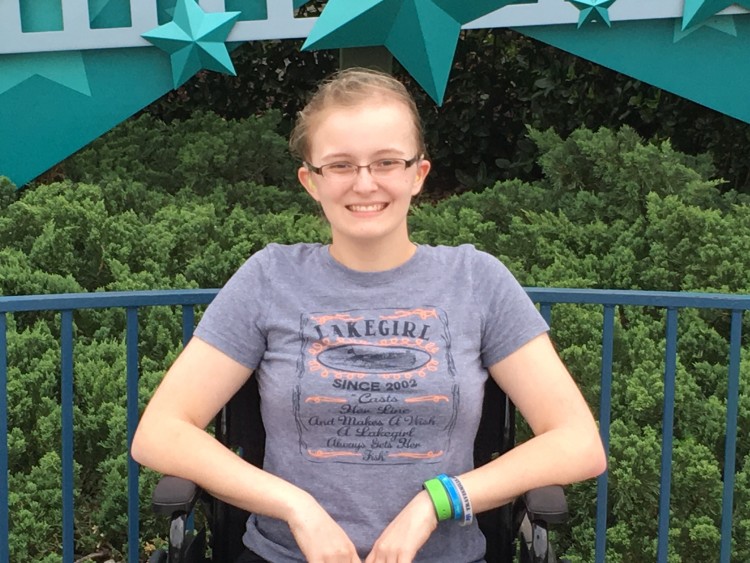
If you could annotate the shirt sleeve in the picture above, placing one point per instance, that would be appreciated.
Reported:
(234, 322)
(510, 318)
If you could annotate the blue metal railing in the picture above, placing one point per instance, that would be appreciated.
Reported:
(546, 298)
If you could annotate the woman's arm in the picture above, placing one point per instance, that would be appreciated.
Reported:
(171, 439)
(566, 448)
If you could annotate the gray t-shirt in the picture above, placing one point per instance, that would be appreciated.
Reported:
(370, 382)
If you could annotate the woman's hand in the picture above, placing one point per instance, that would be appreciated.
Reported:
(407, 533)
(319, 536)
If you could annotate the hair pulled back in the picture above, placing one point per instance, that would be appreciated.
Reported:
(349, 88)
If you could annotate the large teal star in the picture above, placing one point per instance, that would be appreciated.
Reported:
(723, 24)
(195, 40)
(421, 34)
(593, 10)
(698, 11)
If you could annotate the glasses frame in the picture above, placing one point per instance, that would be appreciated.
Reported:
(319, 169)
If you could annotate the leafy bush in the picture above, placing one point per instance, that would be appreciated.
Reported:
(613, 212)
(501, 82)
(608, 211)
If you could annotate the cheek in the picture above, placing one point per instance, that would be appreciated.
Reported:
(328, 197)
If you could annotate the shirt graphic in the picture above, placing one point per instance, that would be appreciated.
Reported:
(375, 386)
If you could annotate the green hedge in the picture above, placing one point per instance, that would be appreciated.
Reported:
(155, 206)
(500, 82)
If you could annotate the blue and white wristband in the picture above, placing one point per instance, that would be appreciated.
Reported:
(467, 516)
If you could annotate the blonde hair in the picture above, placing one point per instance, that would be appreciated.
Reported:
(348, 88)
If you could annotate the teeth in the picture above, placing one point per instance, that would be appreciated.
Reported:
(367, 208)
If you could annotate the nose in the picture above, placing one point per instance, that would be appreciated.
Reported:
(364, 182)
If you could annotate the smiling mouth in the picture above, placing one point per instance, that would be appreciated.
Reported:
(371, 208)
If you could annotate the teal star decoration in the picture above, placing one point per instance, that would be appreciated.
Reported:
(64, 67)
(698, 11)
(723, 24)
(195, 40)
(421, 34)
(593, 10)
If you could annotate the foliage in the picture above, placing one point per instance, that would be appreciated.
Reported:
(501, 82)
(613, 212)
(168, 205)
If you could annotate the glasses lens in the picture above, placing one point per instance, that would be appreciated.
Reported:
(387, 166)
(341, 170)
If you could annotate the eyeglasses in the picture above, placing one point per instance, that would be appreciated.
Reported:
(383, 168)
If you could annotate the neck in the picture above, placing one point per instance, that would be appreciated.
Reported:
(372, 256)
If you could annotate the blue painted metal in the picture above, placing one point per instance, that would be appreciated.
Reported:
(546, 297)
(664, 299)
(550, 295)
(66, 400)
(131, 343)
(114, 299)
(670, 375)
(730, 448)
(4, 555)
(188, 322)
(605, 411)
(545, 309)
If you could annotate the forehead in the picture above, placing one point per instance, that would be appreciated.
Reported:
(362, 129)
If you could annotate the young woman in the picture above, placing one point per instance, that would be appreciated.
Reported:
(371, 355)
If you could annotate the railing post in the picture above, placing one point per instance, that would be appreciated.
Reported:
(66, 398)
(131, 339)
(605, 411)
(730, 448)
(670, 374)
(4, 549)
(545, 309)
(188, 320)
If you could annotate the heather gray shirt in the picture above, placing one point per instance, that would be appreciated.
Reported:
(370, 383)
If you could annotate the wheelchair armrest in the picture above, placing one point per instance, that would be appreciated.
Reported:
(174, 495)
(533, 512)
(545, 504)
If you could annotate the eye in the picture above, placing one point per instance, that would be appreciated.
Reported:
(387, 164)
(339, 167)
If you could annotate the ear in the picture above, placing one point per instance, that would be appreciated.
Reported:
(305, 178)
(423, 168)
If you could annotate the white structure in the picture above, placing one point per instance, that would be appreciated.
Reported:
(281, 23)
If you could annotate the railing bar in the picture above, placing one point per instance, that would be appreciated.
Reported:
(111, 299)
(188, 322)
(730, 448)
(670, 375)
(662, 299)
(131, 339)
(66, 398)
(4, 549)
(545, 309)
(605, 412)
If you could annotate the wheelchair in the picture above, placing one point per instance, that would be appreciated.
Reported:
(514, 532)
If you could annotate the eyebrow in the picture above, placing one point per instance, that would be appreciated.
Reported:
(349, 156)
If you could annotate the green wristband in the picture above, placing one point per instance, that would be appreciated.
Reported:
(440, 499)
